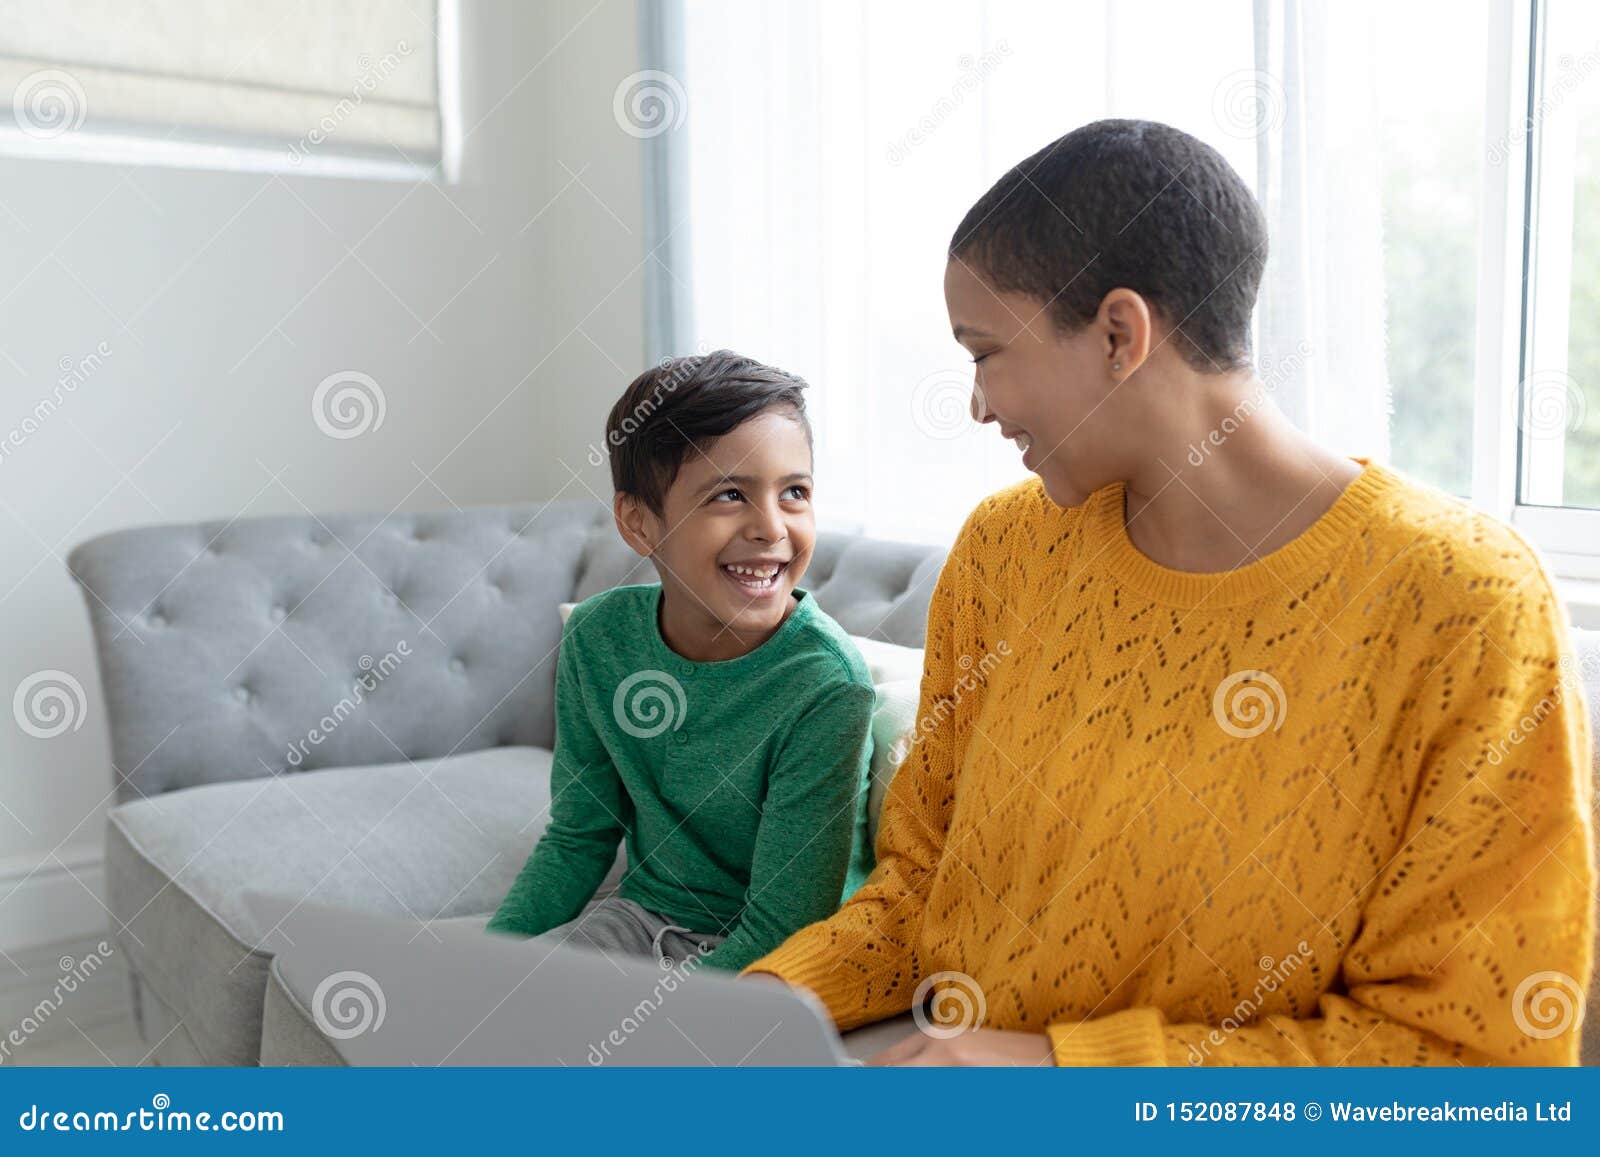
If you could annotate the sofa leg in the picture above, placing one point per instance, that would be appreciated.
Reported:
(135, 999)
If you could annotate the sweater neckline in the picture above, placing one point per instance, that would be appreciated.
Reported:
(1108, 541)
(670, 660)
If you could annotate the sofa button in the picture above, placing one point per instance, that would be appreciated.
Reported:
(278, 612)
(457, 666)
(157, 619)
(242, 693)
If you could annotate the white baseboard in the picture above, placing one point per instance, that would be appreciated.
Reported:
(30, 987)
(42, 903)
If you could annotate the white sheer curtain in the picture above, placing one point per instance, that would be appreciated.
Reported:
(831, 149)
(1320, 319)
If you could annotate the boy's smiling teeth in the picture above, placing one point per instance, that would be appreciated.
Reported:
(756, 577)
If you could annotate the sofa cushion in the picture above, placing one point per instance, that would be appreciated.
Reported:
(888, 662)
(223, 646)
(894, 730)
(434, 839)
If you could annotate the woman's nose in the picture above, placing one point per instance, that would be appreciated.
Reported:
(980, 405)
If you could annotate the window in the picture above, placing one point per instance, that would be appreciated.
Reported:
(1429, 127)
(1430, 173)
(1561, 384)
(1552, 437)
(274, 84)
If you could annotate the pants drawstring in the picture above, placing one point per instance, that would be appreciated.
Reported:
(655, 945)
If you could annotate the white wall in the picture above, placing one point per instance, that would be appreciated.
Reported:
(224, 298)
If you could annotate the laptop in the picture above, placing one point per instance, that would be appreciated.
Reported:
(386, 991)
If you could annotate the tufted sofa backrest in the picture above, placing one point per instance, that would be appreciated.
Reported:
(235, 650)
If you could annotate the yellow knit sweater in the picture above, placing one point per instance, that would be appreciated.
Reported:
(1328, 808)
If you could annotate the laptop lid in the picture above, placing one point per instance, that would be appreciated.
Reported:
(386, 991)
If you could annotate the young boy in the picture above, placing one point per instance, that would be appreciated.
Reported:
(717, 721)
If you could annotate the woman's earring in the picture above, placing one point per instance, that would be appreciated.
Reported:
(1116, 365)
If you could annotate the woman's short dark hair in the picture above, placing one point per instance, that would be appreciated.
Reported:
(1127, 203)
(685, 403)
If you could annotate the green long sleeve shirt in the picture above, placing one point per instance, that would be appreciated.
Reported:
(740, 787)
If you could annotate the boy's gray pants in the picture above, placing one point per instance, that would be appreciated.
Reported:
(613, 924)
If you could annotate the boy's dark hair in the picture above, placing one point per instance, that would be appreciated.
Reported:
(1127, 203)
(684, 403)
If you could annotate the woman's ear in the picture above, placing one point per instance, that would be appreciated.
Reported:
(635, 523)
(1124, 318)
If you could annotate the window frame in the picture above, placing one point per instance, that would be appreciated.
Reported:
(1511, 284)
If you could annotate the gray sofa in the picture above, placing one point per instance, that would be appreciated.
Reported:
(357, 711)
(228, 655)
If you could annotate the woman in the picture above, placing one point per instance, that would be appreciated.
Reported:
(1280, 763)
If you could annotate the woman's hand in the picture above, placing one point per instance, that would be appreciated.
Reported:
(973, 1048)
(979, 1046)
(766, 975)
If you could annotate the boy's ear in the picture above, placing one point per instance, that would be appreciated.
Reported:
(635, 523)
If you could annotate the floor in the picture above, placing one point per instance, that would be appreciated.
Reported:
(89, 1026)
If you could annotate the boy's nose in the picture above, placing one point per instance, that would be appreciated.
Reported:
(766, 526)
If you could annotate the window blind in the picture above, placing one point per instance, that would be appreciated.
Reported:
(351, 77)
